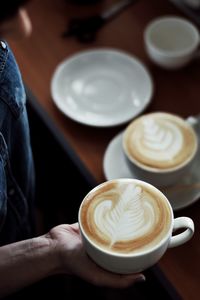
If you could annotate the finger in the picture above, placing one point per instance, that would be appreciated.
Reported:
(75, 227)
(128, 280)
(105, 278)
(100, 277)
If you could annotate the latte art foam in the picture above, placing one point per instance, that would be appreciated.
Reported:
(160, 140)
(125, 218)
(128, 219)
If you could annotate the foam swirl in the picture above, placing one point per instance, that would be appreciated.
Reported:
(125, 216)
(129, 219)
(161, 140)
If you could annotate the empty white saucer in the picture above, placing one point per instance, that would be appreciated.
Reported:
(180, 196)
(102, 87)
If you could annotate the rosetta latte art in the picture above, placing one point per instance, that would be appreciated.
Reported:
(161, 141)
(132, 217)
(125, 217)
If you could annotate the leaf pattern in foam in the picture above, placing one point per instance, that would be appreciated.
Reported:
(125, 219)
(162, 142)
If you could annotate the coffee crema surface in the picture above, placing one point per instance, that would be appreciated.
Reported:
(125, 217)
(160, 141)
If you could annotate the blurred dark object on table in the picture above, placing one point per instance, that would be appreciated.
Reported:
(85, 29)
(83, 2)
(193, 13)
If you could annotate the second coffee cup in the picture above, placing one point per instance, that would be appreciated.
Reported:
(160, 147)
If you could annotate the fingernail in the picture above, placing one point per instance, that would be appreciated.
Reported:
(141, 278)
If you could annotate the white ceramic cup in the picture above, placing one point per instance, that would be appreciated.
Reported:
(171, 42)
(159, 134)
(137, 232)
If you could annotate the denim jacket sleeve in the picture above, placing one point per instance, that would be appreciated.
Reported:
(16, 164)
(3, 189)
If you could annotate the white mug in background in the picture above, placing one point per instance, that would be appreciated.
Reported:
(160, 147)
(127, 225)
(171, 41)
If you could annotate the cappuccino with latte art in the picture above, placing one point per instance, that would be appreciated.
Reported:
(160, 141)
(126, 225)
(125, 217)
(160, 147)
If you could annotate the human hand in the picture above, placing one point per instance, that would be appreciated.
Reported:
(74, 260)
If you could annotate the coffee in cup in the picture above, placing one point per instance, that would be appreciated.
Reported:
(160, 147)
(127, 224)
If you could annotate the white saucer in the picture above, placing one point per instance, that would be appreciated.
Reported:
(115, 166)
(102, 87)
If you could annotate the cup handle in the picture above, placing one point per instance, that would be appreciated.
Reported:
(193, 120)
(181, 238)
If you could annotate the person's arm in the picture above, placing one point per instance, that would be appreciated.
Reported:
(59, 251)
(24, 263)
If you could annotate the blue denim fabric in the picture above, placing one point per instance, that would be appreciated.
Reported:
(16, 163)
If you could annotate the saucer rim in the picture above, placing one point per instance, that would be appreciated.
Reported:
(76, 117)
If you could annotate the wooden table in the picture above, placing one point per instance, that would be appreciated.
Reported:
(175, 91)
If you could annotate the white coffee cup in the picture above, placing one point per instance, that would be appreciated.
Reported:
(160, 147)
(127, 225)
(171, 42)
